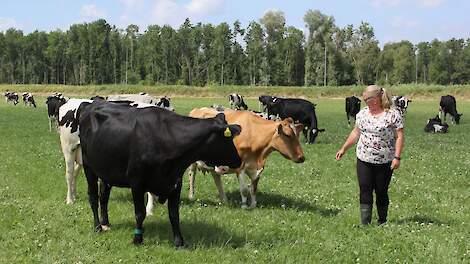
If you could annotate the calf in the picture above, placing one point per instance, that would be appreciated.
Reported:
(401, 103)
(11, 97)
(259, 137)
(299, 110)
(352, 107)
(148, 150)
(448, 105)
(435, 125)
(236, 102)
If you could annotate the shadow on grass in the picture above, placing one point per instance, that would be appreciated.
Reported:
(196, 234)
(269, 200)
(420, 219)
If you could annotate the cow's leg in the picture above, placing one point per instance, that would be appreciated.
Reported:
(311, 137)
(243, 189)
(220, 187)
(150, 203)
(92, 181)
(255, 175)
(349, 122)
(305, 132)
(192, 175)
(139, 209)
(69, 177)
(50, 124)
(174, 214)
(105, 190)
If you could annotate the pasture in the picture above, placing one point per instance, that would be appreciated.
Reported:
(307, 213)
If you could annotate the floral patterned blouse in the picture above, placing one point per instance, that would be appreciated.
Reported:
(378, 135)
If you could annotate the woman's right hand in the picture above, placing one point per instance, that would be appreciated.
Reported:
(339, 154)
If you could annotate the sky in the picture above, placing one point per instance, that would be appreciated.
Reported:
(392, 20)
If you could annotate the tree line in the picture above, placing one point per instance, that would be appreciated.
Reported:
(266, 52)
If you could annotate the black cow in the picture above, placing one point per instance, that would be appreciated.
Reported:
(448, 105)
(401, 103)
(435, 125)
(148, 150)
(353, 106)
(236, 102)
(264, 100)
(11, 97)
(302, 111)
(53, 103)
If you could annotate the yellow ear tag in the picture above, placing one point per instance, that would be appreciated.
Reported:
(227, 132)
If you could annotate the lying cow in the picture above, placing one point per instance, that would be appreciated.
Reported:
(299, 110)
(259, 137)
(141, 97)
(236, 102)
(435, 125)
(448, 105)
(401, 103)
(54, 102)
(148, 150)
(352, 107)
(11, 97)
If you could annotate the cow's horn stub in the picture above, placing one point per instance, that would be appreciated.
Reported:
(227, 132)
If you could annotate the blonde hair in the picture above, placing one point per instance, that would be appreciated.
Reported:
(384, 94)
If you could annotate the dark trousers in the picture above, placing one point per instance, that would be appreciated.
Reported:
(374, 177)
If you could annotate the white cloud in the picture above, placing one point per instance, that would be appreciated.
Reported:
(6, 23)
(203, 7)
(174, 13)
(394, 3)
(91, 12)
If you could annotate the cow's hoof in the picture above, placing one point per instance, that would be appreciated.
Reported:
(148, 213)
(182, 247)
(138, 239)
(98, 229)
(105, 227)
(244, 206)
(69, 201)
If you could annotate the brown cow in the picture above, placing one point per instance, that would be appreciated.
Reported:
(259, 137)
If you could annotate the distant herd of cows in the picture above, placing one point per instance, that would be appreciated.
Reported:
(139, 142)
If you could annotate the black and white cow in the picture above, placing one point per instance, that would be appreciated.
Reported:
(54, 102)
(165, 102)
(11, 97)
(448, 105)
(28, 99)
(352, 107)
(141, 97)
(236, 102)
(435, 125)
(401, 103)
(148, 150)
(300, 110)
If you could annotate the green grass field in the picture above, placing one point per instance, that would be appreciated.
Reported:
(307, 213)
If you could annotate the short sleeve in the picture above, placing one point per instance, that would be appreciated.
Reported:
(397, 120)
(359, 118)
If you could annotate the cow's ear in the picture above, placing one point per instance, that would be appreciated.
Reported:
(299, 128)
(280, 131)
(220, 117)
(235, 130)
(289, 120)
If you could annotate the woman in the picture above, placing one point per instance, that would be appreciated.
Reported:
(380, 133)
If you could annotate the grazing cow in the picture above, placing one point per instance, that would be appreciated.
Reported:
(401, 103)
(448, 105)
(53, 103)
(142, 97)
(300, 110)
(435, 125)
(259, 137)
(353, 106)
(236, 102)
(11, 97)
(28, 99)
(148, 150)
(263, 102)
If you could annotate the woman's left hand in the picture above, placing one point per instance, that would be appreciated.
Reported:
(395, 164)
